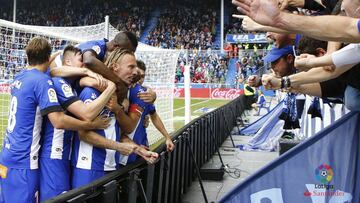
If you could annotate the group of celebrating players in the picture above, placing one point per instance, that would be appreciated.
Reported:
(75, 116)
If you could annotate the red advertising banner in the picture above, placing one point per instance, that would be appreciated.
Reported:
(217, 93)
(5, 88)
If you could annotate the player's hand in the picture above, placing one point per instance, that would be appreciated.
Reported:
(125, 148)
(149, 96)
(111, 85)
(169, 145)
(146, 121)
(149, 156)
(113, 104)
(101, 81)
(303, 62)
(54, 55)
(126, 104)
(271, 82)
(100, 122)
(254, 81)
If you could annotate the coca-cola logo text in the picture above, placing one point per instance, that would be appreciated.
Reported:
(225, 93)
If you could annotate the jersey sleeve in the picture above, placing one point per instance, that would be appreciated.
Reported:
(97, 47)
(65, 93)
(89, 94)
(134, 99)
(46, 95)
(152, 109)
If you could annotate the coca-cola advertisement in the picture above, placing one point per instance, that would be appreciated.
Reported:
(225, 93)
(207, 93)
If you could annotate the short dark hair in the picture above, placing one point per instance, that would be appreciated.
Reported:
(133, 39)
(141, 65)
(123, 38)
(38, 51)
(71, 48)
(309, 45)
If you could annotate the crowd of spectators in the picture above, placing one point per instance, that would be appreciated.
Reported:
(183, 27)
(212, 66)
(205, 67)
(124, 15)
(328, 66)
(180, 25)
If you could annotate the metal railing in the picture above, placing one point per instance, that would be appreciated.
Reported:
(172, 175)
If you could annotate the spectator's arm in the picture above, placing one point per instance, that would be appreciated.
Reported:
(316, 75)
(249, 25)
(319, 27)
(347, 56)
(267, 12)
(312, 89)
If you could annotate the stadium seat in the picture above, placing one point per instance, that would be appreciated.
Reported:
(266, 105)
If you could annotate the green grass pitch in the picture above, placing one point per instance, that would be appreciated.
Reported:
(198, 108)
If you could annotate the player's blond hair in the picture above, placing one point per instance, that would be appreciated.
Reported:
(116, 56)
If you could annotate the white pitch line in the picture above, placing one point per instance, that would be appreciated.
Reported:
(192, 105)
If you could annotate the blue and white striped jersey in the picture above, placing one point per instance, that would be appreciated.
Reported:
(86, 156)
(32, 97)
(56, 143)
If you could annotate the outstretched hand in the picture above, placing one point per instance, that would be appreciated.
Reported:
(264, 12)
(149, 156)
(248, 24)
(169, 145)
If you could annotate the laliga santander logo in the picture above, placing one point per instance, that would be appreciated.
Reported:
(324, 173)
(225, 93)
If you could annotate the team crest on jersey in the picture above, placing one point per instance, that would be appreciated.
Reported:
(52, 95)
(96, 48)
(67, 90)
(50, 82)
(93, 96)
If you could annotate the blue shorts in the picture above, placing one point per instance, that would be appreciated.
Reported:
(54, 177)
(19, 185)
(81, 177)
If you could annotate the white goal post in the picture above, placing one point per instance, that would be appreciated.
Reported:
(160, 74)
